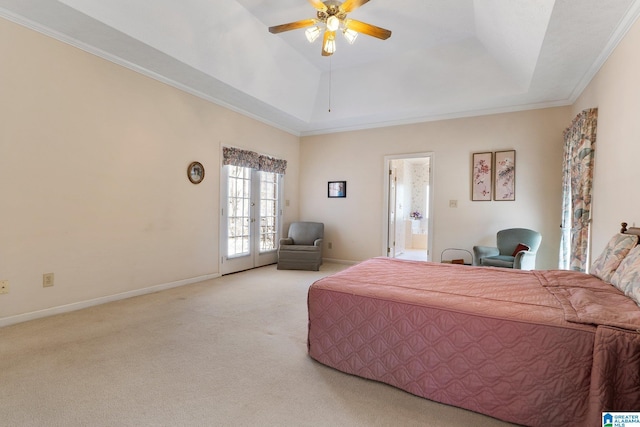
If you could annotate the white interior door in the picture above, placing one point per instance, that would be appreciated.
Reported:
(391, 234)
(250, 218)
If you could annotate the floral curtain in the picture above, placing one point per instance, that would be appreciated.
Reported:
(249, 159)
(577, 176)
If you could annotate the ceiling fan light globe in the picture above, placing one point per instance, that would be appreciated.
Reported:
(350, 35)
(330, 45)
(333, 23)
(312, 33)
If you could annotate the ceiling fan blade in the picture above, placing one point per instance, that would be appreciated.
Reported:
(368, 29)
(327, 36)
(350, 5)
(292, 26)
(319, 5)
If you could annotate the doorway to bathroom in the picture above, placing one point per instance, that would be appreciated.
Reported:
(408, 190)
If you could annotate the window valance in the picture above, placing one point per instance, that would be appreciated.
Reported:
(249, 159)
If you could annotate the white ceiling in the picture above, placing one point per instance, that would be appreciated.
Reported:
(445, 58)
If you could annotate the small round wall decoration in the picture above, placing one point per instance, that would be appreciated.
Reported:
(195, 172)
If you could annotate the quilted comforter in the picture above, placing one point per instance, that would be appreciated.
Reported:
(529, 347)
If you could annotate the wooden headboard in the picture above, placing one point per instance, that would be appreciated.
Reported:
(630, 230)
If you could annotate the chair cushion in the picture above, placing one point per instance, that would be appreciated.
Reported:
(508, 240)
(520, 247)
(504, 261)
(306, 233)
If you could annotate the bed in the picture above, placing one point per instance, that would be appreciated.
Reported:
(541, 347)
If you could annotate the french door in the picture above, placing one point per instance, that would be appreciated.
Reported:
(250, 218)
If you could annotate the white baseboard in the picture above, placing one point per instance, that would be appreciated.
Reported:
(19, 318)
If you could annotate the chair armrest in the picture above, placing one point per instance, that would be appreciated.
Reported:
(480, 252)
(286, 241)
(525, 260)
(318, 242)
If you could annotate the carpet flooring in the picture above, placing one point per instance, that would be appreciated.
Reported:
(225, 352)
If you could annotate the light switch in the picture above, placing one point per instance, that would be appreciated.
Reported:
(453, 203)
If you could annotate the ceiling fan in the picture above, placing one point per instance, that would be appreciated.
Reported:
(332, 16)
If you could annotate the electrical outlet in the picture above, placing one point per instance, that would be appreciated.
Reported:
(453, 203)
(4, 286)
(47, 280)
(330, 245)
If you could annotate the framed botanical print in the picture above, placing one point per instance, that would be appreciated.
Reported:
(481, 176)
(505, 175)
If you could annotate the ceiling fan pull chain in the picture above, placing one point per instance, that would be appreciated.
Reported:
(330, 84)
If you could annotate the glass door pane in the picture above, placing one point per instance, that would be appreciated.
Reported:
(268, 211)
(239, 208)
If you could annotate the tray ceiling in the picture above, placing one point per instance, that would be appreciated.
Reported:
(444, 59)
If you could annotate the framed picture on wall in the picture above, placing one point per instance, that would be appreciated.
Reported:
(337, 189)
(481, 176)
(505, 175)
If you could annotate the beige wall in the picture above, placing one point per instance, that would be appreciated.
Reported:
(93, 161)
(354, 225)
(616, 92)
(93, 181)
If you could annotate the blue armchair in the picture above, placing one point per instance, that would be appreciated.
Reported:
(517, 248)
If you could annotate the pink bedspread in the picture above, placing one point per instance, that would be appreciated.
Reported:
(533, 348)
